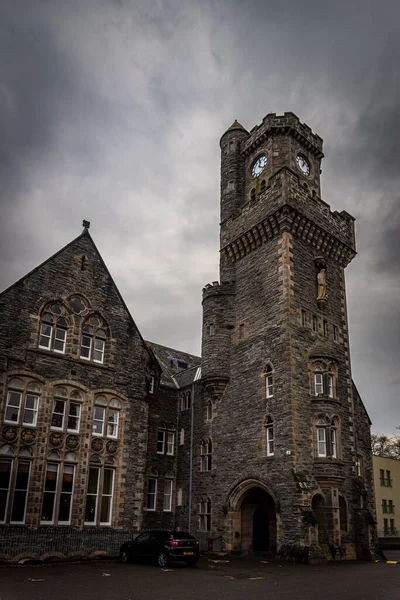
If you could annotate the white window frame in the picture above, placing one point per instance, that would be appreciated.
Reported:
(8, 406)
(71, 494)
(331, 391)
(90, 337)
(5, 460)
(319, 383)
(205, 515)
(21, 490)
(269, 385)
(63, 414)
(270, 439)
(321, 442)
(63, 340)
(161, 440)
(182, 437)
(48, 337)
(333, 432)
(34, 410)
(152, 494)
(78, 417)
(168, 491)
(98, 340)
(98, 469)
(104, 495)
(53, 493)
(102, 421)
(114, 424)
(206, 456)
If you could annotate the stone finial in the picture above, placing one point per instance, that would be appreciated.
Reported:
(85, 224)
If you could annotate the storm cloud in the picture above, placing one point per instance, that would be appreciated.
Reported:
(111, 111)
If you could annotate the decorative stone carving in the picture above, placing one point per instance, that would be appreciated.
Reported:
(56, 439)
(9, 434)
(72, 442)
(97, 444)
(28, 436)
(111, 447)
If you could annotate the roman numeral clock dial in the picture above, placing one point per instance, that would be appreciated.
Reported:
(259, 165)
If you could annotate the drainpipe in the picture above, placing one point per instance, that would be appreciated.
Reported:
(191, 458)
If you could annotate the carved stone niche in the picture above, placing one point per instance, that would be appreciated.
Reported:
(97, 444)
(112, 447)
(56, 439)
(72, 442)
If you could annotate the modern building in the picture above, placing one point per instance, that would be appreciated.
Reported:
(387, 496)
(262, 444)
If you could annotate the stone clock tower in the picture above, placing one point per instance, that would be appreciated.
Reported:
(289, 472)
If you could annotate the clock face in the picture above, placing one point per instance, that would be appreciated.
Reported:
(303, 165)
(259, 165)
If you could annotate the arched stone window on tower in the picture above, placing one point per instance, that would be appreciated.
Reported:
(206, 455)
(327, 436)
(263, 186)
(209, 411)
(269, 426)
(93, 341)
(205, 514)
(253, 194)
(324, 379)
(54, 325)
(269, 381)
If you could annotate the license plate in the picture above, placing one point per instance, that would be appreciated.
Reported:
(188, 553)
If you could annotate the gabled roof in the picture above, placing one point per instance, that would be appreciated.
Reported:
(84, 234)
(173, 363)
(357, 393)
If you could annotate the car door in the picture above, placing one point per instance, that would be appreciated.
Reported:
(140, 548)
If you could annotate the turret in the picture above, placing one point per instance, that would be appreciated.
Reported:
(232, 169)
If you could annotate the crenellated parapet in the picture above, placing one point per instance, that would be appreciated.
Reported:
(286, 124)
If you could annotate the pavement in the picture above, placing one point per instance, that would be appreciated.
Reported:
(221, 578)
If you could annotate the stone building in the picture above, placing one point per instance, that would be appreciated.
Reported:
(262, 444)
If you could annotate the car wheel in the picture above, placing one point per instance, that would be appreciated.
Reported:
(163, 560)
(191, 562)
(125, 557)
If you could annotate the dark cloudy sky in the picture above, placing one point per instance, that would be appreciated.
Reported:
(112, 111)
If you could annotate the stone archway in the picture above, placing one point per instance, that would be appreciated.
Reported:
(318, 506)
(253, 518)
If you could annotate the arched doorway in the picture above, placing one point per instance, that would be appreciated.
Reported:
(318, 506)
(258, 521)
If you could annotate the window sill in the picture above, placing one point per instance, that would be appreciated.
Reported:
(71, 358)
(324, 398)
(328, 460)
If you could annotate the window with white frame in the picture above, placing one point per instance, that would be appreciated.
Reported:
(167, 495)
(152, 383)
(269, 425)
(205, 515)
(58, 491)
(269, 382)
(186, 400)
(327, 437)
(66, 410)
(152, 493)
(206, 455)
(161, 431)
(94, 337)
(324, 376)
(106, 417)
(14, 484)
(170, 443)
(22, 402)
(99, 497)
(54, 325)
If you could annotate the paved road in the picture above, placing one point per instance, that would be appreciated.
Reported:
(238, 579)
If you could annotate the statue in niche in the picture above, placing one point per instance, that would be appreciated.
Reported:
(321, 279)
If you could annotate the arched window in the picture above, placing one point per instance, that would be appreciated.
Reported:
(186, 400)
(269, 382)
(106, 417)
(99, 496)
(161, 431)
(94, 339)
(14, 484)
(209, 411)
(205, 514)
(58, 490)
(263, 186)
(327, 437)
(166, 439)
(53, 328)
(324, 379)
(206, 455)
(253, 194)
(152, 491)
(22, 402)
(67, 406)
(269, 425)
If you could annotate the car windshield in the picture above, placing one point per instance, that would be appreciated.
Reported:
(182, 535)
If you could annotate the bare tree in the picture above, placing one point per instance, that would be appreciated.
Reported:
(386, 445)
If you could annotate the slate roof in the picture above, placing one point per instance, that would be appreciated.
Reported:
(174, 365)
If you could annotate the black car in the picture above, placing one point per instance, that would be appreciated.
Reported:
(163, 547)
